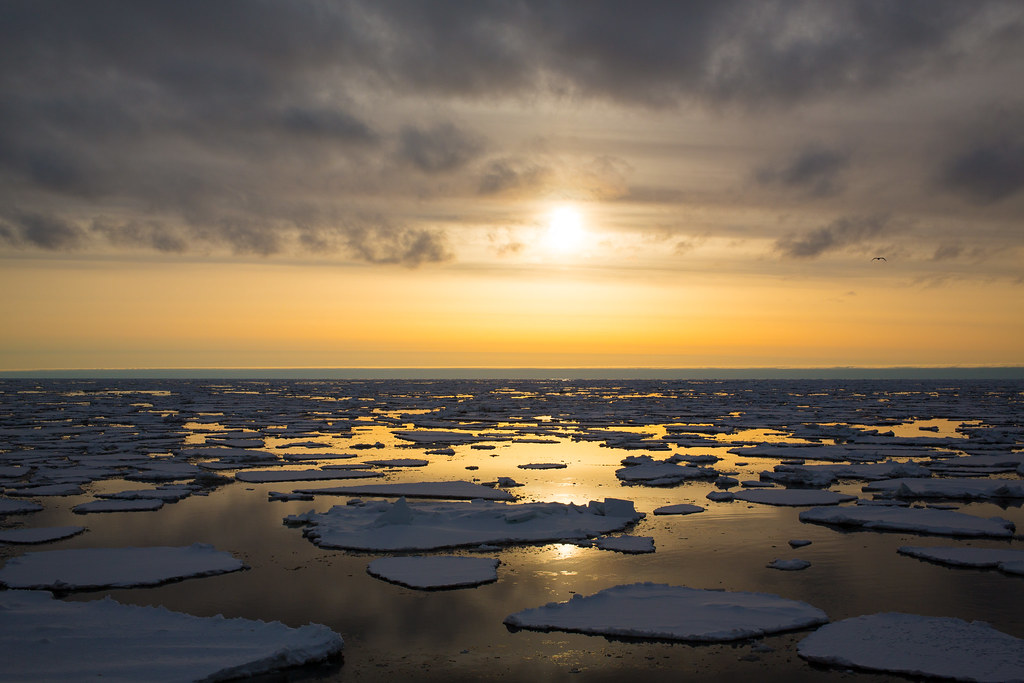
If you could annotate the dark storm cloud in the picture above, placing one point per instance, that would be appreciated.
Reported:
(231, 121)
(814, 171)
(987, 173)
(840, 233)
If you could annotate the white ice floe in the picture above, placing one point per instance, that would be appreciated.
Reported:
(649, 610)
(39, 534)
(135, 505)
(919, 520)
(325, 474)
(956, 489)
(789, 565)
(632, 545)
(940, 647)
(826, 475)
(18, 507)
(643, 469)
(1004, 559)
(503, 483)
(106, 640)
(167, 493)
(680, 509)
(543, 466)
(427, 573)
(399, 462)
(87, 568)
(382, 526)
(450, 490)
(793, 497)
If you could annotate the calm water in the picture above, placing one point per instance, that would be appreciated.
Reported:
(588, 425)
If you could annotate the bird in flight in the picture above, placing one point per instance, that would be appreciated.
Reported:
(878, 258)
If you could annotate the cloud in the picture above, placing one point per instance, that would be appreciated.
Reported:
(987, 173)
(815, 171)
(840, 233)
(511, 175)
(37, 230)
(375, 241)
(440, 149)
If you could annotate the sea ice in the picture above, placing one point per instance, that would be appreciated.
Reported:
(383, 526)
(793, 497)
(649, 610)
(810, 451)
(955, 489)
(264, 476)
(39, 534)
(633, 545)
(87, 568)
(103, 639)
(18, 507)
(451, 490)
(826, 475)
(789, 565)
(399, 462)
(136, 505)
(941, 647)
(426, 573)
(543, 466)
(798, 542)
(919, 520)
(645, 470)
(680, 509)
(1005, 559)
(721, 496)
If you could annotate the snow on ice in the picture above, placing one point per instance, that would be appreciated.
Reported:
(435, 572)
(918, 520)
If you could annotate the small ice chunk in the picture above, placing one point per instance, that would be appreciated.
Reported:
(543, 466)
(721, 496)
(920, 520)
(648, 610)
(86, 568)
(941, 647)
(284, 496)
(680, 509)
(136, 505)
(789, 565)
(794, 497)
(105, 640)
(429, 573)
(798, 542)
(399, 462)
(39, 534)
(624, 543)
(503, 483)
(726, 482)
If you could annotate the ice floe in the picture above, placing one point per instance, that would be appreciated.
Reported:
(543, 466)
(1004, 559)
(88, 568)
(18, 507)
(650, 472)
(103, 639)
(624, 543)
(133, 505)
(39, 534)
(325, 474)
(434, 572)
(678, 509)
(399, 462)
(382, 526)
(918, 520)
(954, 489)
(664, 612)
(793, 565)
(793, 497)
(940, 647)
(826, 475)
(450, 490)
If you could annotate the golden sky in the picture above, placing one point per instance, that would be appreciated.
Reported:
(355, 184)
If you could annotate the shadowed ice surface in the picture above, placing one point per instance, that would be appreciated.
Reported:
(188, 440)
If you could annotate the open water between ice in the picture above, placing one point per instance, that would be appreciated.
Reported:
(107, 437)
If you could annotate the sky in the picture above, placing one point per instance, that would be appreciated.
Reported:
(511, 184)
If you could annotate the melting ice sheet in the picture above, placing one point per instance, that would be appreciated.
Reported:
(917, 645)
(103, 639)
(381, 526)
(650, 610)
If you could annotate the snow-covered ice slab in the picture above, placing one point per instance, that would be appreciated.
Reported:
(543, 466)
(399, 462)
(649, 610)
(810, 452)
(264, 476)
(51, 640)
(383, 526)
(423, 436)
(18, 507)
(647, 471)
(826, 475)
(919, 520)
(953, 489)
(793, 497)
(450, 490)
(88, 568)
(133, 505)
(432, 573)
(679, 509)
(1005, 559)
(631, 545)
(941, 647)
(793, 565)
(39, 534)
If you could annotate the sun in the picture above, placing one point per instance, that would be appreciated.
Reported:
(565, 229)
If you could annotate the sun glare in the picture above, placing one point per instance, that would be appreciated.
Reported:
(565, 229)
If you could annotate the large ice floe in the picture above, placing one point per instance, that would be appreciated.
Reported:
(1004, 559)
(793, 497)
(106, 640)
(826, 475)
(449, 490)
(435, 572)
(643, 469)
(400, 526)
(952, 489)
(276, 476)
(919, 520)
(664, 612)
(39, 534)
(940, 647)
(90, 568)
